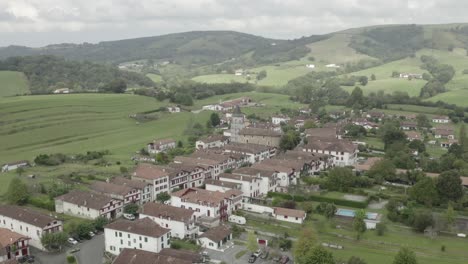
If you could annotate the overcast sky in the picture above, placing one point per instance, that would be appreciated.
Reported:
(41, 22)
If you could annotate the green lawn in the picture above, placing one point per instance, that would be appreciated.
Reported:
(220, 78)
(458, 97)
(13, 83)
(77, 123)
(154, 77)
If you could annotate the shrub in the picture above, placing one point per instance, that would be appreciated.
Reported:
(380, 229)
(71, 259)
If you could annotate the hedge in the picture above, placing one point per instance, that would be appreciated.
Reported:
(44, 203)
(318, 198)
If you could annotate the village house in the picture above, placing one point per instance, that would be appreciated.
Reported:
(221, 186)
(154, 175)
(88, 205)
(15, 165)
(213, 204)
(413, 135)
(287, 171)
(212, 141)
(126, 194)
(313, 162)
(12, 245)
(344, 152)
(216, 238)
(367, 125)
(254, 152)
(289, 215)
(441, 119)
(250, 185)
(180, 221)
(376, 115)
(277, 120)
(337, 114)
(447, 143)
(406, 75)
(185, 175)
(173, 109)
(444, 132)
(228, 105)
(193, 256)
(137, 256)
(324, 132)
(269, 181)
(408, 125)
(239, 72)
(161, 145)
(259, 136)
(142, 234)
(145, 188)
(62, 91)
(29, 223)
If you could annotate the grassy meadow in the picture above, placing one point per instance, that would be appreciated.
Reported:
(13, 83)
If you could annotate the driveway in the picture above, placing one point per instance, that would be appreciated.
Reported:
(91, 252)
(229, 256)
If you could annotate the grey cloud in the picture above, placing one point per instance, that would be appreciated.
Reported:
(40, 22)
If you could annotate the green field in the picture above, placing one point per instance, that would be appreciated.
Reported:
(154, 77)
(13, 83)
(32, 125)
(458, 97)
(220, 78)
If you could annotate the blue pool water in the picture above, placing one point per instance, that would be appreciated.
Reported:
(350, 213)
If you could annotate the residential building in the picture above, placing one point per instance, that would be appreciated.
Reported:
(15, 165)
(237, 124)
(289, 215)
(216, 238)
(250, 185)
(254, 152)
(269, 181)
(173, 109)
(185, 175)
(161, 145)
(228, 105)
(259, 136)
(62, 91)
(142, 234)
(145, 188)
(157, 176)
(29, 223)
(221, 186)
(220, 160)
(447, 143)
(444, 132)
(408, 125)
(288, 171)
(413, 135)
(12, 245)
(323, 132)
(344, 153)
(88, 205)
(180, 221)
(407, 75)
(441, 119)
(187, 255)
(213, 204)
(313, 162)
(212, 141)
(137, 256)
(376, 115)
(123, 193)
(277, 120)
(367, 125)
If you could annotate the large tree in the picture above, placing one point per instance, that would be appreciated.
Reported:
(54, 241)
(382, 170)
(290, 140)
(449, 186)
(17, 192)
(340, 179)
(214, 119)
(424, 192)
(405, 256)
(318, 255)
(359, 225)
(305, 243)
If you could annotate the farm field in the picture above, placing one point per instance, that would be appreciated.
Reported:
(77, 123)
(220, 78)
(13, 83)
(154, 77)
(458, 97)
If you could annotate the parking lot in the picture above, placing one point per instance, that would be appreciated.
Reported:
(229, 256)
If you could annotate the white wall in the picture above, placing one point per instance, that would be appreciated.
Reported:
(178, 229)
(116, 240)
(260, 209)
(200, 210)
(296, 220)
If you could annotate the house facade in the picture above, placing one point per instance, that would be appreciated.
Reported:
(157, 176)
(180, 221)
(145, 188)
(15, 165)
(143, 234)
(289, 215)
(88, 205)
(344, 153)
(216, 238)
(161, 145)
(259, 136)
(29, 223)
(212, 141)
(12, 245)
(123, 193)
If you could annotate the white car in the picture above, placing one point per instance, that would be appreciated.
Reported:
(91, 234)
(129, 216)
(72, 241)
(257, 253)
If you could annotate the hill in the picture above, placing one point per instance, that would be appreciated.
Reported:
(13, 83)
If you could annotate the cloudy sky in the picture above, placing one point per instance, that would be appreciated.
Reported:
(41, 22)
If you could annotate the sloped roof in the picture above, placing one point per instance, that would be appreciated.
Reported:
(167, 211)
(149, 171)
(87, 199)
(136, 256)
(144, 227)
(26, 215)
(217, 234)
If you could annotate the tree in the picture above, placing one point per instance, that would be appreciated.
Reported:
(214, 119)
(340, 179)
(17, 192)
(462, 140)
(356, 100)
(382, 170)
(417, 145)
(380, 228)
(305, 243)
(450, 216)
(261, 75)
(405, 256)
(54, 240)
(330, 210)
(372, 77)
(309, 124)
(290, 140)
(355, 260)
(318, 255)
(358, 223)
(82, 230)
(422, 220)
(424, 192)
(449, 186)
(363, 80)
(131, 208)
(252, 244)
(423, 121)
(116, 86)
(100, 222)
(162, 197)
(20, 171)
(123, 170)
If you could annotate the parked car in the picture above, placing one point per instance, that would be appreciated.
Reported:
(22, 259)
(31, 259)
(257, 253)
(129, 217)
(72, 241)
(91, 234)
(284, 259)
(252, 258)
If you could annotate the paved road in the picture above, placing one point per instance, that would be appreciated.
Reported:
(91, 252)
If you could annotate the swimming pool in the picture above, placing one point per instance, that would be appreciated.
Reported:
(351, 213)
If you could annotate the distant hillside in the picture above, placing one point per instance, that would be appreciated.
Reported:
(46, 73)
(13, 83)
(200, 47)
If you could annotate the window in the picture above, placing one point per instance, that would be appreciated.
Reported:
(116, 234)
(120, 234)
(139, 238)
(129, 244)
(140, 246)
(121, 241)
(211, 244)
(146, 239)
(128, 235)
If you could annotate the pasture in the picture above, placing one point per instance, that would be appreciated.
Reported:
(154, 77)
(13, 83)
